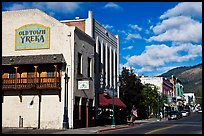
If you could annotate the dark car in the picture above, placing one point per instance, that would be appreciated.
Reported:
(174, 115)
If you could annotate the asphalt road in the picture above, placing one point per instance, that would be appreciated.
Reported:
(187, 125)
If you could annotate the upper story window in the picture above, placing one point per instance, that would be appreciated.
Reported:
(89, 69)
(79, 64)
(50, 74)
(30, 74)
(11, 75)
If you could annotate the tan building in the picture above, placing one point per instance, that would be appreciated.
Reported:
(38, 52)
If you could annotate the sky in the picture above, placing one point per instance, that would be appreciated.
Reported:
(154, 36)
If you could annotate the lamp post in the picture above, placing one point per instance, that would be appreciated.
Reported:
(113, 118)
(65, 116)
(158, 107)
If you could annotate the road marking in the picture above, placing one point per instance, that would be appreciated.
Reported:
(150, 132)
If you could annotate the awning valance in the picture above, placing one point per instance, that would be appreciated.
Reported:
(105, 100)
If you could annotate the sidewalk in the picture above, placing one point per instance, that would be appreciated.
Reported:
(89, 130)
(98, 129)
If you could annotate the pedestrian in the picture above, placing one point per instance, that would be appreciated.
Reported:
(161, 115)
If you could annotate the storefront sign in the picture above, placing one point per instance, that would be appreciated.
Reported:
(83, 85)
(32, 36)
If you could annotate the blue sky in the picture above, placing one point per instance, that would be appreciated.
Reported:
(154, 36)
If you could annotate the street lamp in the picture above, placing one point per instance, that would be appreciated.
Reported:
(158, 107)
(65, 116)
(113, 118)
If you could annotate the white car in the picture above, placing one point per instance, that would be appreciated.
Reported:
(200, 111)
(184, 113)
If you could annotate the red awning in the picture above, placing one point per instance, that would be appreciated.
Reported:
(119, 103)
(105, 100)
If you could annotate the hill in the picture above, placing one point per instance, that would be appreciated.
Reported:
(191, 77)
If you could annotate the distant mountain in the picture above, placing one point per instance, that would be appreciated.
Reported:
(191, 77)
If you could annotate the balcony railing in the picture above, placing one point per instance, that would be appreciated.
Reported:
(31, 83)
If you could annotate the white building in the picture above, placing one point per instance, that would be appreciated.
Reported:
(189, 99)
(38, 51)
(106, 54)
(157, 81)
(106, 50)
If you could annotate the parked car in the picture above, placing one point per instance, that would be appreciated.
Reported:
(174, 115)
(188, 112)
(200, 111)
(184, 113)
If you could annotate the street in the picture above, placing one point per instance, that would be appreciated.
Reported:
(187, 125)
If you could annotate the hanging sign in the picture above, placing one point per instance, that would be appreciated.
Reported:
(83, 85)
(32, 36)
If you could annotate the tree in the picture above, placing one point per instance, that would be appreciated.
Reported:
(130, 89)
(151, 95)
(198, 97)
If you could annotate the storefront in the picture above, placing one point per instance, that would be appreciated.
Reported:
(43, 61)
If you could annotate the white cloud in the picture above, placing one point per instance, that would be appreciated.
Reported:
(50, 7)
(136, 27)
(178, 29)
(156, 70)
(133, 36)
(126, 66)
(19, 6)
(156, 56)
(107, 26)
(121, 31)
(147, 31)
(128, 48)
(193, 9)
(112, 6)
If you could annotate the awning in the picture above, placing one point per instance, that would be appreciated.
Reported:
(105, 100)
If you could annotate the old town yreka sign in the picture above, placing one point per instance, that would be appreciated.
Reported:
(32, 36)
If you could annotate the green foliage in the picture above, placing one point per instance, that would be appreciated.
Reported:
(152, 99)
(198, 97)
(130, 89)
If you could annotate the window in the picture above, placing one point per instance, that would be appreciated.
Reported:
(30, 74)
(12, 75)
(79, 64)
(50, 74)
(89, 70)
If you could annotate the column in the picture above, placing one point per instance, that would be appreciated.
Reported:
(16, 68)
(55, 75)
(110, 62)
(101, 68)
(97, 62)
(114, 70)
(35, 74)
(106, 65)
(87, 113)
(117, 36)
(80, 102)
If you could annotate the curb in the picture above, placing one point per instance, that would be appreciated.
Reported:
(107, 129)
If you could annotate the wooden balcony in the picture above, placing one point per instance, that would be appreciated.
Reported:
(39, 83)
